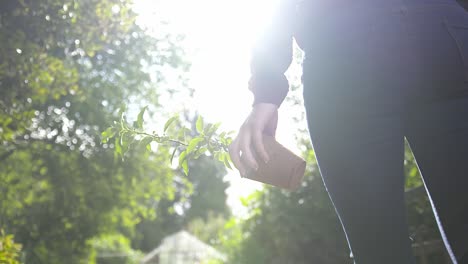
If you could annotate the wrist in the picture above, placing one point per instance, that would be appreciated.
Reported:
(269, 107)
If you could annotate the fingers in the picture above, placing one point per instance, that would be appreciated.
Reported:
(234, 152)
(259, 147)
(248, 145)
(245, 145)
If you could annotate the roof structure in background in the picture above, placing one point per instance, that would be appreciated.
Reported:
(182, 248)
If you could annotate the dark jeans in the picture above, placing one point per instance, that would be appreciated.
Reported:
(372, 77)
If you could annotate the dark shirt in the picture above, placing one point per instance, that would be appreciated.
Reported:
(272, 55)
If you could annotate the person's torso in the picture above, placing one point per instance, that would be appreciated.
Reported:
(422, 40)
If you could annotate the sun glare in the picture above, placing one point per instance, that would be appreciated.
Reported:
(219, 35)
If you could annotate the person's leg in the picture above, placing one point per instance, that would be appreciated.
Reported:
(438, 136)
(437, 126)
(359, 147)
(357, 77)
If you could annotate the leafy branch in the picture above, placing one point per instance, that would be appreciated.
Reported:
(187, 144)
(9, 250)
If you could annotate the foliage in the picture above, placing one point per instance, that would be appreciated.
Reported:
(291, 227)
(205, 140)
(208, 230)
(213, 261)
(9, 250)
(231, 238)
(188, 210)
(206, 200)
(209, 192)
(65, 69)
(113, 249)
(422, 224)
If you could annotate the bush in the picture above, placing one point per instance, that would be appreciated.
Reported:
(9, 250)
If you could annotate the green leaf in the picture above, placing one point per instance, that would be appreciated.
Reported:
(217, 156)
(207, 128)
(193, 143)
(203, 150)
(185, 167)
(173, 154)
(213, 128)
(146, 141)
(228, 141)
(199, 124)
(244, 201)
(182, 157)
(107, 134)
(118, 148)
(228, 156)
(170, 121)
(140, 117)
(123, 140)
(226, 161)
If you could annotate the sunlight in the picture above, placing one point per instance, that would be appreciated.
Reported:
(218, 38)
(219, 35)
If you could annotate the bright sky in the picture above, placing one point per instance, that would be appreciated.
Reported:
(219, 35)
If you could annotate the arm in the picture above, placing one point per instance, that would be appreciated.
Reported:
(272, 55)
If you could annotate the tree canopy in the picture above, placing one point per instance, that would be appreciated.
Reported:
(66, 67)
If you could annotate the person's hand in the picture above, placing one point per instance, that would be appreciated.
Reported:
(263, 119)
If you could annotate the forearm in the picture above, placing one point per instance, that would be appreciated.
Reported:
(272, 55)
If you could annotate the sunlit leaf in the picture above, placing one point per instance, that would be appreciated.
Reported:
(203, 150)
(199, 124)
(226, 161)
(140, 117)
(213, 128)
(182, 157)
(107, 134)
(193, 144)
(146, 141)
(185, 167)
(173, 154)
(118, 148)
(170, 121)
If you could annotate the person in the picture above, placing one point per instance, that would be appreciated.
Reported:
(375, 72)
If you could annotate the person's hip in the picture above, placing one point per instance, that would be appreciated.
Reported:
(404, 44)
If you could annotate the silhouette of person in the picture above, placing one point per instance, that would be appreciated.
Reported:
(375, 72)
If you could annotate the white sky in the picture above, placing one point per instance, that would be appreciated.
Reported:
(219, 35)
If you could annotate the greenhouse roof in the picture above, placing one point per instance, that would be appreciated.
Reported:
(183, 243)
